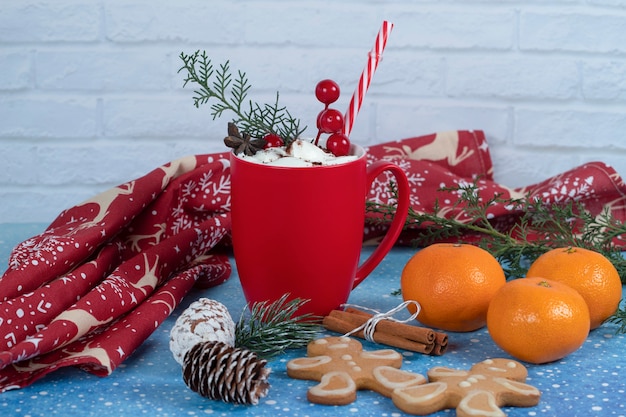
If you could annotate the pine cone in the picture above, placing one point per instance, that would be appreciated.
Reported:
(221, 372)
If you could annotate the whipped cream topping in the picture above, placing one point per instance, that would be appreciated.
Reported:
(300, 153)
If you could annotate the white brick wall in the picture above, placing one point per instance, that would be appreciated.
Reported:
(90, 96)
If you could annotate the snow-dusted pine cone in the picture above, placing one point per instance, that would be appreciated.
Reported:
(204, 320)
(221, 372)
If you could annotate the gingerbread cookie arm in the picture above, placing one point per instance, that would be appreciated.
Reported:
(307, 368)
(517, 394)
(485, 403)
(389, 378)
(423, 399)
(335, 388)
(479, 403)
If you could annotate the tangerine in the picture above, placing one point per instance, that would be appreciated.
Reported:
(538, 320)
(588, 272)
(453, 283)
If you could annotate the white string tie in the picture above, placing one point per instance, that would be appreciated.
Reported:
(370, 325)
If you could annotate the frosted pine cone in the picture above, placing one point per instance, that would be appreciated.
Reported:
(204, 320)
(221, 372)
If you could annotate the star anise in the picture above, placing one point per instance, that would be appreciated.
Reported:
(242, 144)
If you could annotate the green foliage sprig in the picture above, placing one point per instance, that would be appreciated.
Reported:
(619, 318)
(230, 93)
(272, 328)
(536, 228)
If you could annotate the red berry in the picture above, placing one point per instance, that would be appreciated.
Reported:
(338, 144)
(272, 140)
(327, 91)
(330, 121)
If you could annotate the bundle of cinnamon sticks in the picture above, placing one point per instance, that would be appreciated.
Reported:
(388, 332)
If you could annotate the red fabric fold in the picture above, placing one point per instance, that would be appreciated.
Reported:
(455, 158)
(104, 275)
(128, 256)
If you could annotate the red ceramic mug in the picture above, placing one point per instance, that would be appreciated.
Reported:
(299, 230)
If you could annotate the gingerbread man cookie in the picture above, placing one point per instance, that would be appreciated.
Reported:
(481, 391)
(342, 367)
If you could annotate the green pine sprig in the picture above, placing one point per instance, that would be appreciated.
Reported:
(228, 92)
(619, 318)
(271, 328)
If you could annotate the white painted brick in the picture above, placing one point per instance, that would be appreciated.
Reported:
(454, 29)
(305, 22)
(188, 21)
(84, 163)
(89, 69)
(19, 163)
(101, 162)
(16, 70)
(157, 117)
(519, 167)
(604, 80)
(573, 32)
(404, 73)
(570, 129)
(90, 96)
(272, 72)
(408, 119)
(39, 204)
(48, 117)
(49, 20)
(93, 162)
(237, 23)
(615, 3)
(514, 78)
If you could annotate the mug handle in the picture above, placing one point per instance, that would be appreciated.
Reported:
(399, 218)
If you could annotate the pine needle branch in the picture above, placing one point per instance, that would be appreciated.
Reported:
(271, 328)
(227, 93)
(619, 318)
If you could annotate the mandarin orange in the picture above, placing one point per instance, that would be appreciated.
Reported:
(588, 272)
(453, 283)
(538, 320)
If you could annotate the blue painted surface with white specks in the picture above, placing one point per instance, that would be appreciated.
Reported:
(589, 382)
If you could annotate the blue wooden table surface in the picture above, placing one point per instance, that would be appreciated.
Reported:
(589, 382)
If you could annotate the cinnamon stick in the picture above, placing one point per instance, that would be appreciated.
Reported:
(400, 335)
(414, 333)
(335, 324)
(441, 344)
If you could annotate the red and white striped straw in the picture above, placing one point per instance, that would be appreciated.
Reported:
(374, 57)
